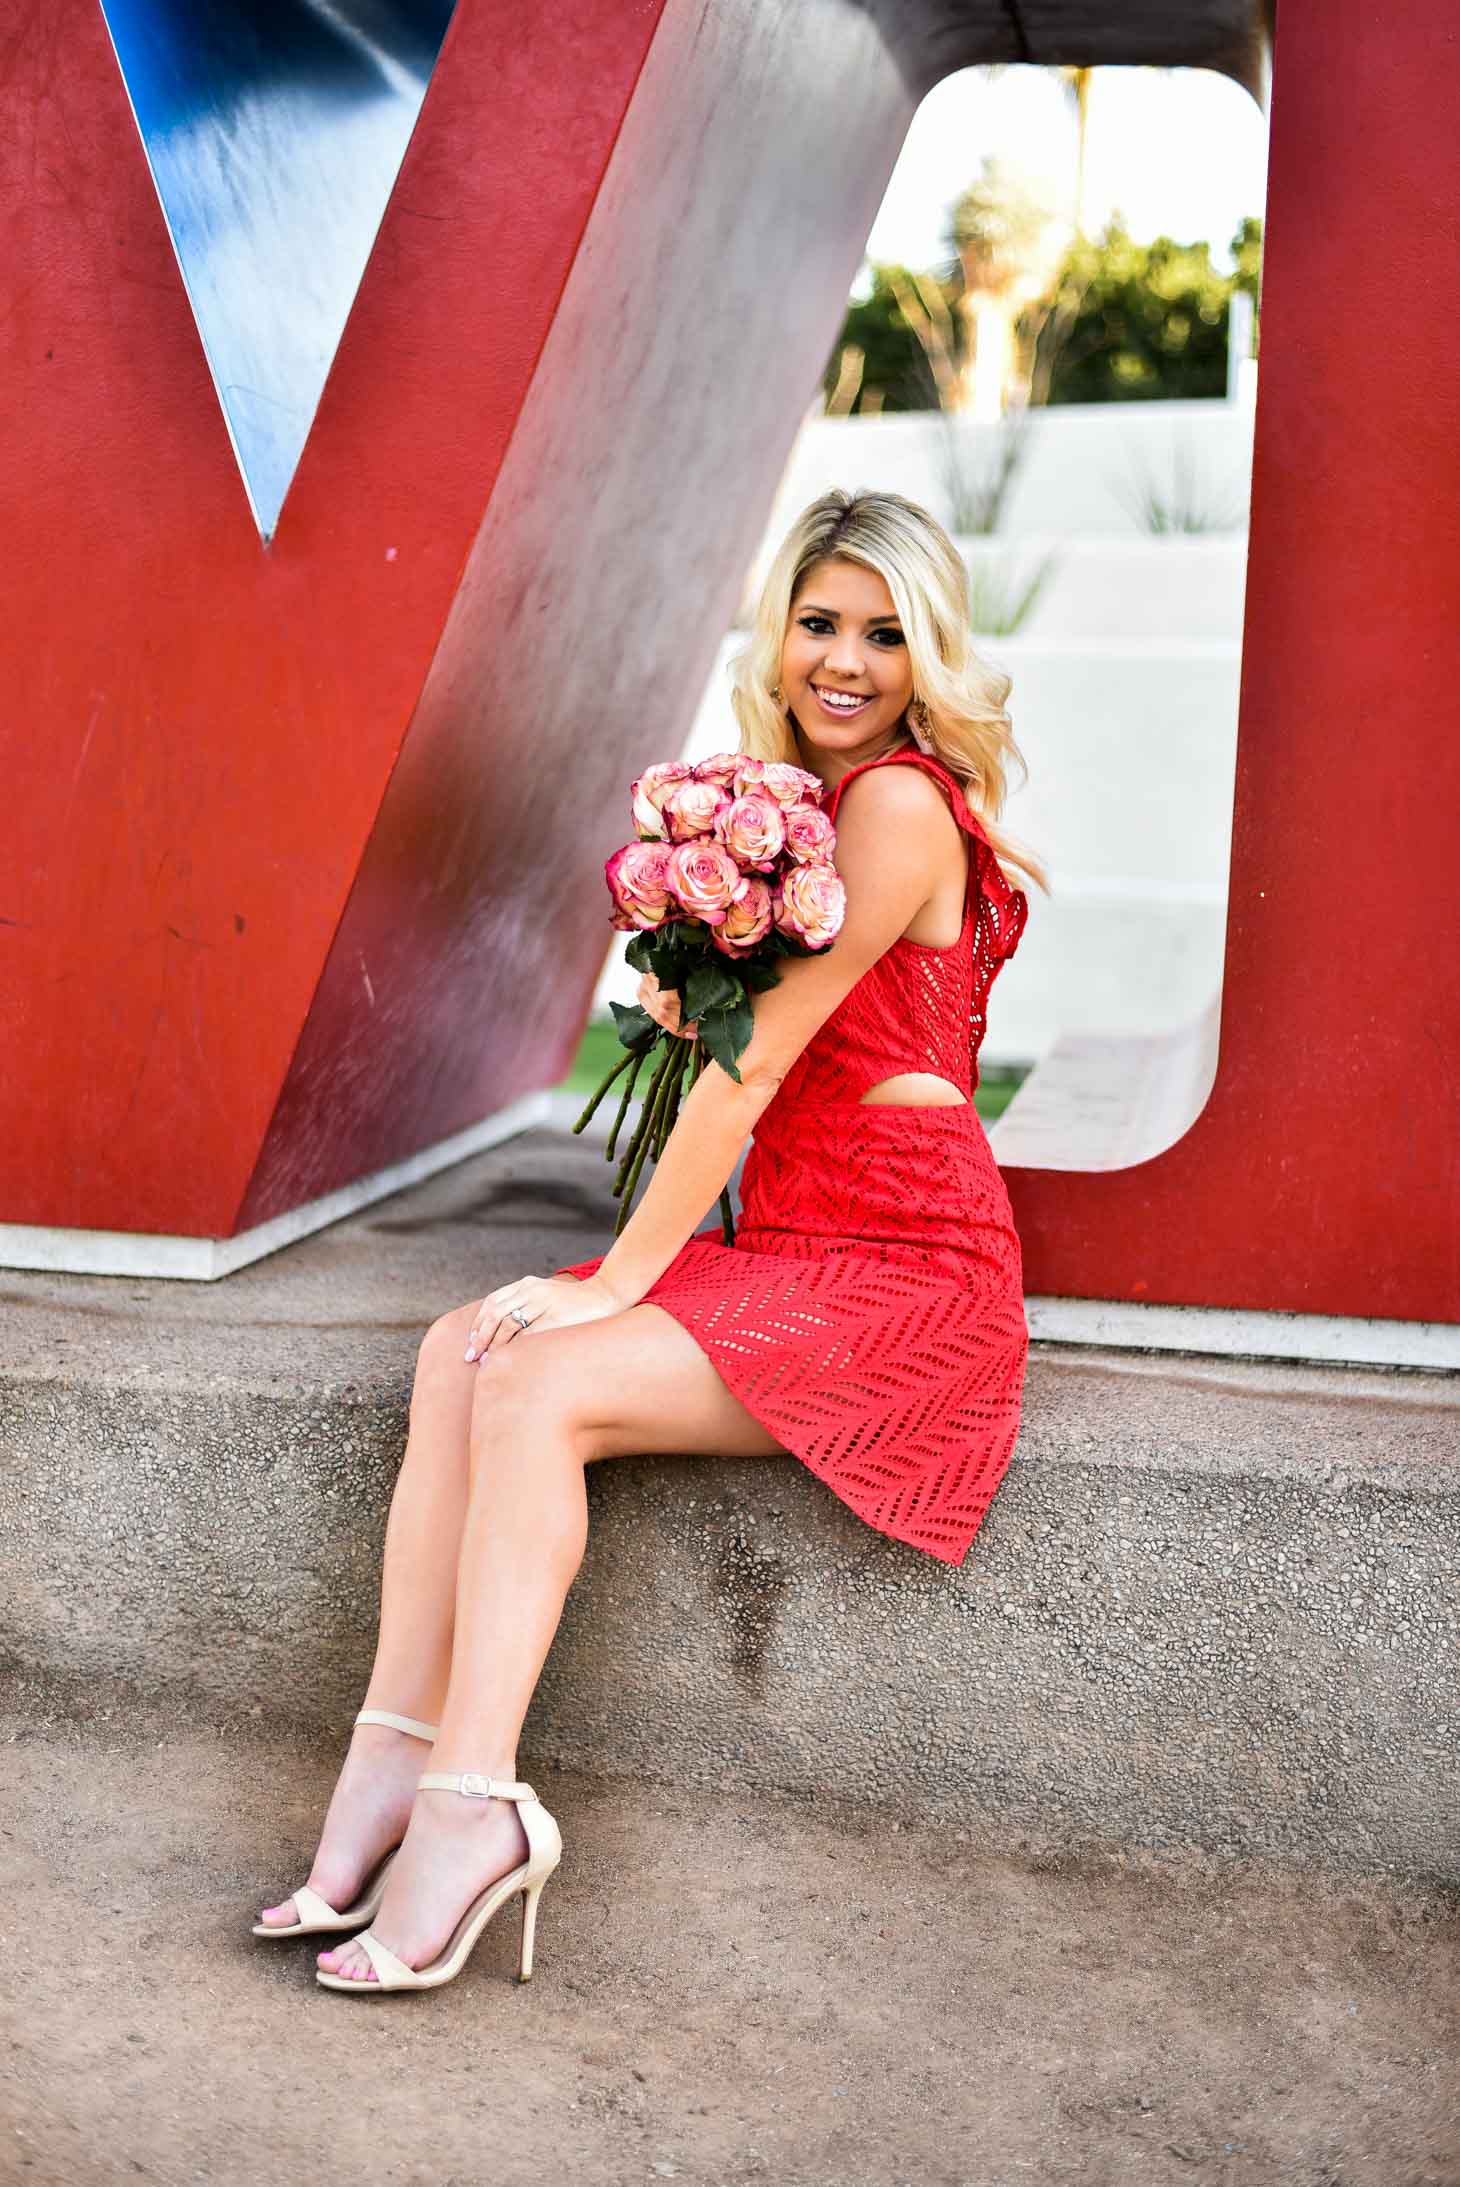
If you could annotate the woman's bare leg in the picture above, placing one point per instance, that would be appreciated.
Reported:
(544, 1408)
(372, 1797)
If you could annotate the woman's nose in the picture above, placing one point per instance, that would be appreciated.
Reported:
(844, 656)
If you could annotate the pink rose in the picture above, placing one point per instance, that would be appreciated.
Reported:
(649, 792)
(692, 808)
(704, 878)
(811, 903)
(749, 773)
(791, 785)
(753, 830)
(747, 919)
(719, 767)
(809, 833)
(637, 878)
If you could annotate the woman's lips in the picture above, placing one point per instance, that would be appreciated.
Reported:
(842, 712)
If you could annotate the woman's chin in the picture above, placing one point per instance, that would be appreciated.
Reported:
(835, 739)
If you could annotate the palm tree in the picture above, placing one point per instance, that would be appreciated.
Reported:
(1078, 83)
(1008, 244)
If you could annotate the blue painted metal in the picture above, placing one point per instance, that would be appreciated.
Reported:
(274, 130)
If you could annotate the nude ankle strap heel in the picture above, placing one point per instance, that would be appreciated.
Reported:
(412, 1724)
(544, 1850)
(316, 1915)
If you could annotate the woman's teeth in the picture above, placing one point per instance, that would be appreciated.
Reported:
(842, 702)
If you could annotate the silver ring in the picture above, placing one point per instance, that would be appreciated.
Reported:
(518, 1316)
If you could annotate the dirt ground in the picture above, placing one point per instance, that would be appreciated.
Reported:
(726, 1991)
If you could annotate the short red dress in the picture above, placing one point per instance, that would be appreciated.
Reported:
(870, 1313)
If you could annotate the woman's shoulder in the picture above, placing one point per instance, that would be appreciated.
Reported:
(907, 780)
(904, 789)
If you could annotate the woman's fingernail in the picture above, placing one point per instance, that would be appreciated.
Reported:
(470, 1353)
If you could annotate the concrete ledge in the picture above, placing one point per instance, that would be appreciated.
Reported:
(205, 1260)
(1213, 1605)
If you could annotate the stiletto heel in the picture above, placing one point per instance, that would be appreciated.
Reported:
(529, 1930)
(319, 1917)
(544, 1851)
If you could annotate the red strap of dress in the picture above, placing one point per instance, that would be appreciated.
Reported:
(988, 875)
(961, 813)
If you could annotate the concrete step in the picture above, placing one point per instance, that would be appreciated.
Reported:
(1213, 1605)
(728, 1989)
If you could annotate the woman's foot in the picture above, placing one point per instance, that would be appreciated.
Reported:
(368, 1813)
(453, 1849)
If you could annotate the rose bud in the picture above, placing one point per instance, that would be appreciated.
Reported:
(809, 834)
(690, 808)
(704, 878)
(637, 881)
(649, 791)
(788, 785)
(719, 767)
(752, 829)
(811, 903)
(747, 919)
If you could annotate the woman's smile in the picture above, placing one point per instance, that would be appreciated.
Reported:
(842, 702)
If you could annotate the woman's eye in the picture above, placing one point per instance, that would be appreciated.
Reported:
(816, 624)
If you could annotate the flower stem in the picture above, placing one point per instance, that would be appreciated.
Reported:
(669, 1108)
(727, 1219)
(637, 1056)
(657, 1096)
(646, 1116)
(622, 1065)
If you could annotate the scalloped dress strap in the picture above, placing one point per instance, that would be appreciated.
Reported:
(967, 820)
(920, 759)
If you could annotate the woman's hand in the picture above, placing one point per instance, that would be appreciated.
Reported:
(545, 1302)
(662, 1004)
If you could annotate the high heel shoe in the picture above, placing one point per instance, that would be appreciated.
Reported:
(544, 1850)
(319, 1918)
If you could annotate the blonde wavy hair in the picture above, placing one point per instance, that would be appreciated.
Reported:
(968, 724)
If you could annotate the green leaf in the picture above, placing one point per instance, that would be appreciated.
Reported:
(719, 1041)
(709, 987)
(634, 1025)
(637, 953)
(741, 1021)
(664, 962)
(726, 1035)
(758, 977)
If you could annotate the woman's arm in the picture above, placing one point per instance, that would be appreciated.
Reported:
(885, 822)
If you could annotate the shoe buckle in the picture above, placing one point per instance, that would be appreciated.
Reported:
(475, 1787)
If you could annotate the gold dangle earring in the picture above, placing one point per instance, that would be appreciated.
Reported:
(780, 697)
(917, 722)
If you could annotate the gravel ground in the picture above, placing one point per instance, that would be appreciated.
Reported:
(726, 1991)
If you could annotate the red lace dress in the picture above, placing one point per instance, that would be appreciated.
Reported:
(870, 1313)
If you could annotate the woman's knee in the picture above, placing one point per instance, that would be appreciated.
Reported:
(521, 1397)
(445, 1340)
(442, 1374)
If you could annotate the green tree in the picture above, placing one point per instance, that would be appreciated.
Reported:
(878, 362)
(1120, 321)
(1132, 321)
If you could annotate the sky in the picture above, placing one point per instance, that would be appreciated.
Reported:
(1181, 152)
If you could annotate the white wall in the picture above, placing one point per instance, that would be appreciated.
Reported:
(1083, 471)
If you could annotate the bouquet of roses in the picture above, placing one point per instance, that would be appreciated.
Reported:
(731, 869)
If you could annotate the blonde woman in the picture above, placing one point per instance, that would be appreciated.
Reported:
(868, 1320)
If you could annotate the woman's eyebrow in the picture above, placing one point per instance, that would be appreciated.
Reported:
(834, 614)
